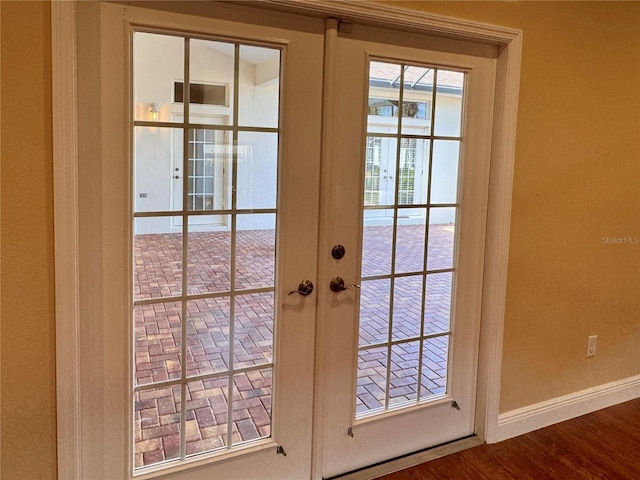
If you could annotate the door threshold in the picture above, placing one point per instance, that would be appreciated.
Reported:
(410, 460)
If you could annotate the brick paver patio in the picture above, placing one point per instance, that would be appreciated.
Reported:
(158, 342)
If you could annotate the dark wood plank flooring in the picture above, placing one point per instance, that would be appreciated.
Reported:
(604, 445)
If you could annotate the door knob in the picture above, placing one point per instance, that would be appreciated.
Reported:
(338, 252)
(305, 288)
(337, 285)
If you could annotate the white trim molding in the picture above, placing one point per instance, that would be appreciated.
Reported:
(65, 193)
(389, 16)
(540, 415)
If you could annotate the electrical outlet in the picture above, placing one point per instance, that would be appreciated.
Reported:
(592, 344)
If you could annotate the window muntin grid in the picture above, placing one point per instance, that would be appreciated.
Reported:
(405, 306)
(372, 171)
(201, 321)
(407, 171)
(201, 170)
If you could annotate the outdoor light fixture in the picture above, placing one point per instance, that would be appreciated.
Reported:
(153, 112)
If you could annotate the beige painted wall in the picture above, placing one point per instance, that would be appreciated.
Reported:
(28, 342)
(576, 181)
(577, 177)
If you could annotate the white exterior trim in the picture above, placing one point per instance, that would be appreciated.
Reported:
(65, 190)
(532, 417)
(66, 210)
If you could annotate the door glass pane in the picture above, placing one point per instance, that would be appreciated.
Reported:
(449, 95)
(203, 334)
(377, 242)
(257, 160)
(384, 94)
(408, 247)
(437, 309)
(407, 307)
(157, 258)
(207, 152)
(255, 251)
(158, 342)
(374, 312)
(208, 324)
(157, 159)
(435, 353)
(156, 425)
(410, 241)
(403, 381)
(211, 65)
(440, 248)
(154, 74)
(253, 330)
(380, 167)
(413, 171)
(372, 380)
(209, 254)
(252, 405)
(417, 99)
(206, 422)
(444, 172)
(259, 91)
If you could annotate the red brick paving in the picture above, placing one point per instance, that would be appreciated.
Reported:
(158, 331)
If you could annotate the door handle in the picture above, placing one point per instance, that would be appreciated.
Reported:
(305, 288)
(337, 285)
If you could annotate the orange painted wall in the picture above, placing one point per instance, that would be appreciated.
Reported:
(576, 181)
(27, 310)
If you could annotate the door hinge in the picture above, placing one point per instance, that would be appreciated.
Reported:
(280, 451)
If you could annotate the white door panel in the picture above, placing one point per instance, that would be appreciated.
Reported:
(154, 425)
(374, 407)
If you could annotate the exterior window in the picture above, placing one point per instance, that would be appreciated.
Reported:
(382, 107)
(407, 170)
(201, 93)
(372, 171)
(201, 169)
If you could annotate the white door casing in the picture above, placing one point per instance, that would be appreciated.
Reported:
(76, 432)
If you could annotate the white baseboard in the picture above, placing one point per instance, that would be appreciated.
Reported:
(526, 419)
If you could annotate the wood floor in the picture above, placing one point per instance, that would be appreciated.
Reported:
(604, 445)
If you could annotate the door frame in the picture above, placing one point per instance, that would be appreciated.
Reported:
(66, 207)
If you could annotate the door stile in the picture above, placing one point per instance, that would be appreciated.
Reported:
(322, 309)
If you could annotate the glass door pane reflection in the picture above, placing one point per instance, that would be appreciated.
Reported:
(410, 207)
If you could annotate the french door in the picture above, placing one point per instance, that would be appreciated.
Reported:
(241, 352)
(398, 351)
(196, 361)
